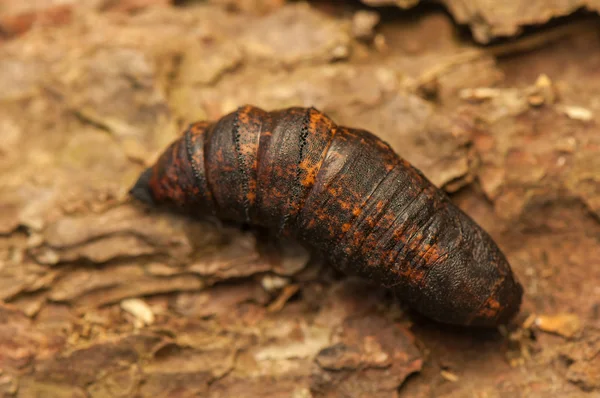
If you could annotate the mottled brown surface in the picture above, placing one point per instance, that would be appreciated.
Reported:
(103, 298)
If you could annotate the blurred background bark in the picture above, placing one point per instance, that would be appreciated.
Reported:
(497, 103)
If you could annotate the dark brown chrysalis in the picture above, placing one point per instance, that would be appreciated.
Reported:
(346, 194)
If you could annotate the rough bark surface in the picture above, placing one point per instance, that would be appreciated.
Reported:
(490, 19)
(101, 297)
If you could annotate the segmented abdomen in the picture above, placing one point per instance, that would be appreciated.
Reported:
(347, 194)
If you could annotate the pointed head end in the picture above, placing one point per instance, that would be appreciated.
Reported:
(141, 189)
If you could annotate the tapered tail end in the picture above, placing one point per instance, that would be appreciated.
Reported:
(141, 189)
(502, 306)
(511, 295)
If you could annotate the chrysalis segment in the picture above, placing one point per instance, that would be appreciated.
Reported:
(338, 198)
(279, 155)
(196, 164)
(173, 179)
(224, 175)
(315, 140)
(247, 138)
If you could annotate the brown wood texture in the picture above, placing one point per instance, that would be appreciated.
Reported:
(101, 297)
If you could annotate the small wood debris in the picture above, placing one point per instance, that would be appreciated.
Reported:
(577, 113)
(140, 310)
(273, 283)
(565, 325)
(447, 375)
(479, 94)
(285, 295)
(542, 92)
(363, 24)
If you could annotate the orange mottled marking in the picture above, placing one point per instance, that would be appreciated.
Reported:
(490, 308)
